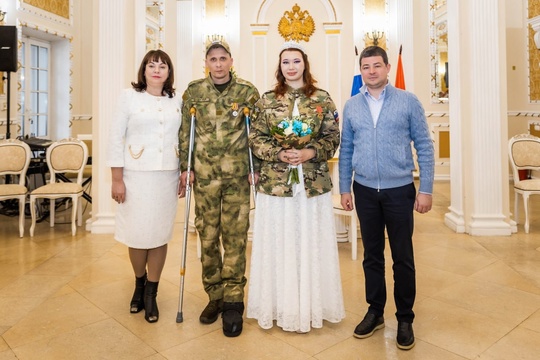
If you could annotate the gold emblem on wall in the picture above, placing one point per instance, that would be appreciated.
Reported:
(296, 25)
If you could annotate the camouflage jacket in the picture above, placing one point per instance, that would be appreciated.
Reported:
(320, 110)
(220, 150)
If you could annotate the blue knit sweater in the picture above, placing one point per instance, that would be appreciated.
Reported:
(380, 157)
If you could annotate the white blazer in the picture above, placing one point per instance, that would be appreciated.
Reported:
(143, 136)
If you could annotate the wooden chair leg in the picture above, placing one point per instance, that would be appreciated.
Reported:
(516, 207)
(74, 215)
(33, 214)
(21, 216)
(526, 206)
(52, 211)
(79, 212)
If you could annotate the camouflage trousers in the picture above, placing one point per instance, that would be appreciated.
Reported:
(222, 211)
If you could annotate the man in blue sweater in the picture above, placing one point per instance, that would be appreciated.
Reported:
(376, 161)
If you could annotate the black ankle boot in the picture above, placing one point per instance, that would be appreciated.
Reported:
(232, 318)
(151, 312)
(137, 301)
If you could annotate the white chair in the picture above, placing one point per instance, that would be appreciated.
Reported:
(64, 156)
(352, 223)
(524, 153)
(14, 161)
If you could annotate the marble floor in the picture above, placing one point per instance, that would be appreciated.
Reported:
(64, 297)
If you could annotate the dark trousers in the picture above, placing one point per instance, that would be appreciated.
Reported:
(393, 209)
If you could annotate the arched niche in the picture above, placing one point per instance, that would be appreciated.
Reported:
(266, 4)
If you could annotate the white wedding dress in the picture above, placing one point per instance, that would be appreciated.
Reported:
(294, 275)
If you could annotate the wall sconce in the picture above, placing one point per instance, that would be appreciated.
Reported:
(375, 36)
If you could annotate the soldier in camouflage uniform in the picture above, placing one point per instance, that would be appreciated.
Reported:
(294, 274)
(221, 186)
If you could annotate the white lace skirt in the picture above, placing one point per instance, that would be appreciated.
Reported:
(146, 219)
(294, 275)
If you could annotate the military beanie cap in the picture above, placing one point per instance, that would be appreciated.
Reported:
(215, 42)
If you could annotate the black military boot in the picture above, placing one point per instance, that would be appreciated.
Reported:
(211, 311)
(232, 318)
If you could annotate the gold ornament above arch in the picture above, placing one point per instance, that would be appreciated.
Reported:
(296, 25)
(332, 16)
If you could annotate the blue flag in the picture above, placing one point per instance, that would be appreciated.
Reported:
(356, 84)
(357, 79)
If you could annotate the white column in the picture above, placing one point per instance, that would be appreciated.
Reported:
(333, 73)
(478, 100)
(455, 219)
(109, 62)
(184, 45)
(359, 18)
(401, 32)
(259, 56)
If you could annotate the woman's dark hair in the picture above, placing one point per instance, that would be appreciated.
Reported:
(309, 81)
(155, 55)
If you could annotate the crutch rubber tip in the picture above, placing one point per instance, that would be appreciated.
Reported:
(179, 317)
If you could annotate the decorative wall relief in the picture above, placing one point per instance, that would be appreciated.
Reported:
(154, 24)
(533, 20)
(534, 67)
(438, 51)
(296, 25)
(56, 10)
(534, 8)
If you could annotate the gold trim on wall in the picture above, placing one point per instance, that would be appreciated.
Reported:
(57, 7)
(534, 8)
(533, 11)
(155, 23)
(68, 37)
(444, 144)
(3, 84)
(534, 67)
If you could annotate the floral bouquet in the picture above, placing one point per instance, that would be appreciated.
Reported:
(292, 133)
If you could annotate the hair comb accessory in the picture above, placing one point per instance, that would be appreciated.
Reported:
(292, 45)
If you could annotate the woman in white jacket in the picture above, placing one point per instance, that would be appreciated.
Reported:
(142, 154)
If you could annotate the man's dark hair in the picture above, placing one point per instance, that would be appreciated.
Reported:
(374, 51)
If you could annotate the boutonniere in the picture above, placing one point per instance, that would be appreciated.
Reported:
(319, 112)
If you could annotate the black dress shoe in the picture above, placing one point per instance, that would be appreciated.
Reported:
(405, 336)
(137, 301)
(151, 311)
(232, 318)
(367, 327)
(211, 311)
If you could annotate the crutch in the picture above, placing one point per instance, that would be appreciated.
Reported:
(251, 168)
(179, 316)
